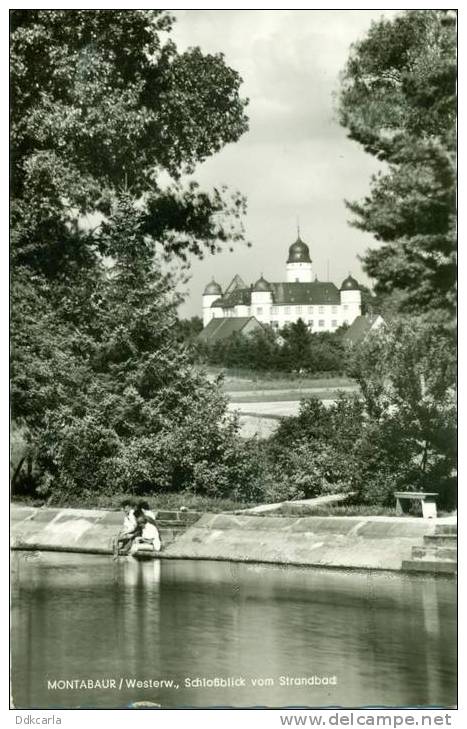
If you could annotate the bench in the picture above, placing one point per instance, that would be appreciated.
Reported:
(425, 498)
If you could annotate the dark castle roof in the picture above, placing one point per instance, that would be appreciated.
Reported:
(213, 288)
(262, 285)
(224, 327)
(299, 252)
(359, 329)
(350, 284)
(295, 293)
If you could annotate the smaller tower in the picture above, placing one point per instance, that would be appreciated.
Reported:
(351, 300)
(261, 300)
(299, 266)
(212, 292)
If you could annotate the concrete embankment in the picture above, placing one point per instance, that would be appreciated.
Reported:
(382, 543)
(82, 530)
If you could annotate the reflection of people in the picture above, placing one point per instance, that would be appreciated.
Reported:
(146, 521)
(146, 574)
(129, 531)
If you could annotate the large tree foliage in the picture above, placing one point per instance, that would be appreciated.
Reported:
(103, 100)
(407, 377)
(125, 410)
(292, 349)
(107, 118)
(398, 100)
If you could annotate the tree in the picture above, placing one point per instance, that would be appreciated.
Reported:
(295, 352)
(103, 106)
(188, 329)
(315, 452)
(140, 418)
(99, 102)
(407, 375)
(398, 434)
(398, 100)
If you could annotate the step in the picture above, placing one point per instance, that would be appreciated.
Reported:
(181, 517)
(443, 529)
(442, 540)
(435, 553)
(426, 565)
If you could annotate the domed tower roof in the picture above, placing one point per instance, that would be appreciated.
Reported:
(299, 252)
(262, 285)
(212, 289)
(350, 284)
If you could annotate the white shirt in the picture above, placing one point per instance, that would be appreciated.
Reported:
(129, 522)
(150, 531)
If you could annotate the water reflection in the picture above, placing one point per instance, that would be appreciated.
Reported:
(389, 639)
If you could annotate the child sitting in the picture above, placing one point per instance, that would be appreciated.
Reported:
(146, 521)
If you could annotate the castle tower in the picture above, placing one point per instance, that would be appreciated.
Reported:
(212, 292)
(351, 300)
(261, 300)
(299, 266)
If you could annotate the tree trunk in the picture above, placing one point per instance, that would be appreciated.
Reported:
(17, 472)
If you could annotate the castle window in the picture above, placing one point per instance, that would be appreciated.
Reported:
(273, 309)
(334, 323)
(345, 307)
(321, 323)
(310, 310)
(310, 323)
(259, 310)
(287, 310)
(321, 310)
(334, 309)
(298, 309)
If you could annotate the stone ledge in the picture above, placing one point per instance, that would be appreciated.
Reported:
(381, 543)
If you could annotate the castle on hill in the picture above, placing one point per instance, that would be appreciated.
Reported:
(320, 304)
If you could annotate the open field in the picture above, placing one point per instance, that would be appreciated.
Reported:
(276, 409)
(262, 401)
(256, 425)
(283, 395)
(248, 380)
(231, 384)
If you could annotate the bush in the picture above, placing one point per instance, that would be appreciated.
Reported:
(292, 349)
(400, 436)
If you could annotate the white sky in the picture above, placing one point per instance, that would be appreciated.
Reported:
(296, 160)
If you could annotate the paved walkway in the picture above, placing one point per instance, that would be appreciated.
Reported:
(278, 408)
(297, 390)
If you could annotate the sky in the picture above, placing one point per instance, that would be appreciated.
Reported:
(295, 162)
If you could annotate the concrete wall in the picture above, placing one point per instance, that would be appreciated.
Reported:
(80, 530)
(346, 542)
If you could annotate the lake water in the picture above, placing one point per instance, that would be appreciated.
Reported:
(377, 639)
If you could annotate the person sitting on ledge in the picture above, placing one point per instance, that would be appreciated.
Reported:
(146, 522)
(147, 511)
(129, 531)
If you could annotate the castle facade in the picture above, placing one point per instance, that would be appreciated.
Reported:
(320, 304)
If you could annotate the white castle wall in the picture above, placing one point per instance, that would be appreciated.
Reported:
(208, 312)
(351, 306)
(325, 318)
(302, 272)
